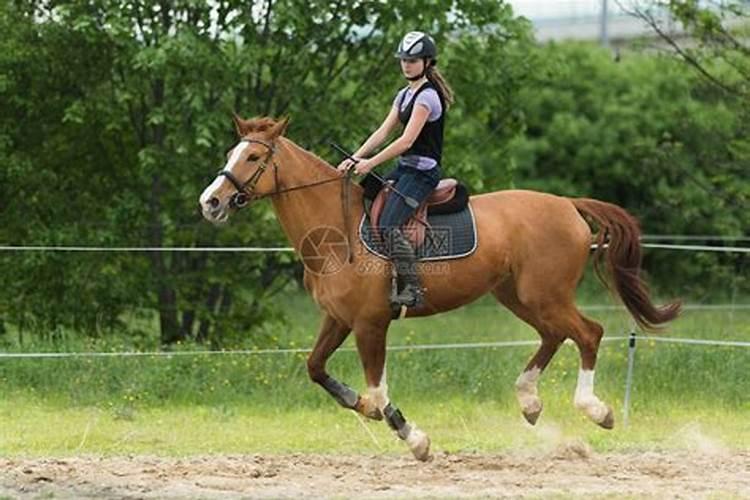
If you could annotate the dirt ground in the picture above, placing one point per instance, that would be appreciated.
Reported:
(570, 471)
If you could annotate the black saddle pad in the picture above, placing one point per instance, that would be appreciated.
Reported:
(450, 236)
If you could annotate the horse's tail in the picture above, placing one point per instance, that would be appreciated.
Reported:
(619, 232)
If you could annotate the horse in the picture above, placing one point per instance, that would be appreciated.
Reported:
(531, 253)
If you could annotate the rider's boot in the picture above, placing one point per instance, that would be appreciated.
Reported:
(405, 264)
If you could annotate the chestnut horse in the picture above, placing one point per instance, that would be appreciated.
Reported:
(531, 253)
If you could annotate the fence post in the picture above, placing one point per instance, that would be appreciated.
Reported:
(629, 376)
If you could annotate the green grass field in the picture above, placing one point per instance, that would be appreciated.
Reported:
(684, 396)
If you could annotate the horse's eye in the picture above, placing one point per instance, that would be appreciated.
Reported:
(253, 158)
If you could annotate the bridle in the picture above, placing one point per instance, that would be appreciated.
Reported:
(246, 191)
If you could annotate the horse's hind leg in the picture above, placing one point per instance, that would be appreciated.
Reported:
(526, 384)
(371, 347)
(587, 336)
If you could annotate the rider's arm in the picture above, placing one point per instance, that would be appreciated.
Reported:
(380, 135)
(418, 118)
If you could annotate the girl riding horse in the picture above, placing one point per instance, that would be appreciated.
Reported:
(420, 107)
(533, 252)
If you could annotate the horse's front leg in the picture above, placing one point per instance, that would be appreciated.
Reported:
(332, 334)
(371, 346)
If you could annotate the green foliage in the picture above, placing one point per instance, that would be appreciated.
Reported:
(716, 52)
(646, 133)
(115, 115)
(674, 385)
(703, 374)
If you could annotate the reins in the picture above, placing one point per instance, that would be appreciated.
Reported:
(345, 197)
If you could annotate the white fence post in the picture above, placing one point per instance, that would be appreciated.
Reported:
(629, 377)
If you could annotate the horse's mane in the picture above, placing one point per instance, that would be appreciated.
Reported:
(316, 160)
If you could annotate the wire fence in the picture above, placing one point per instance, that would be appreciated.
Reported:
(647, 237)
(167, 354)
(22, 248)
(409, 348)
(631, 344)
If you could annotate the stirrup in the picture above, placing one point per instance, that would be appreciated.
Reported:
(399, 307)
(416, 296)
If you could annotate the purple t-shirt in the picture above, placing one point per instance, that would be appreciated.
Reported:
(430, 100)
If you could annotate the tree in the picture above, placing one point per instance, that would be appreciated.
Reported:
(715, 46)
(118, 112)
(644, 133)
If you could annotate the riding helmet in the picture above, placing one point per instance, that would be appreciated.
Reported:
(417, 45)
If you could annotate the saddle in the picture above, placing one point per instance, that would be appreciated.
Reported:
(449, 196)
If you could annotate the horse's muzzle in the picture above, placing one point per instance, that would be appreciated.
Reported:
(213, 214)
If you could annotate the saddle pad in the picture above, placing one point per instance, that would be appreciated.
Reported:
(450, 236)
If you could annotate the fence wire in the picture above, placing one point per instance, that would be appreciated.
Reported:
(79, 248)
(413, 347)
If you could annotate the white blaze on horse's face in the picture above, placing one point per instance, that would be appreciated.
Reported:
(214, 200)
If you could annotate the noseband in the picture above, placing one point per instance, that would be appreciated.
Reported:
(245, 192)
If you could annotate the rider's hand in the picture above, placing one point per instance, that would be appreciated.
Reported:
(363, 167)
(346, 164)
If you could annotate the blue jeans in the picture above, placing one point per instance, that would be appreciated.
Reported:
(417, 184)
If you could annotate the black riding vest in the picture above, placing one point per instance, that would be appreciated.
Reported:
(429, 142)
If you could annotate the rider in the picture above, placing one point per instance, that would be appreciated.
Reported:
(420, 107)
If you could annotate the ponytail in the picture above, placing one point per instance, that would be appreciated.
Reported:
(434, 76)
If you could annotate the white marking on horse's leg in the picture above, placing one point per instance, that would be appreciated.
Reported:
(526, 391)
(415, 438)
(418, 443)
(372, 404)
(379, 394)
(586, 400)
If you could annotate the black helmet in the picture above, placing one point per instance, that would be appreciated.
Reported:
(417, 45)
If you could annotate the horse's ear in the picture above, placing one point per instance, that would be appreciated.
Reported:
(280, 128)
(240, 125)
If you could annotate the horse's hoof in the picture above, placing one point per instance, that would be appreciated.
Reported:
(609, 420)
(532, 416)
(419, 444)
(366, 407)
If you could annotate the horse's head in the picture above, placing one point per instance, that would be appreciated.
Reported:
(242, 179)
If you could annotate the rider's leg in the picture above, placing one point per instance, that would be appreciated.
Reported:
(417, 185)
(405, 264)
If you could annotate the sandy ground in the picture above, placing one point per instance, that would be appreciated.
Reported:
(570, 471)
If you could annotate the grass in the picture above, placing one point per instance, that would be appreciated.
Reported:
(683, 396)
(30, 428)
